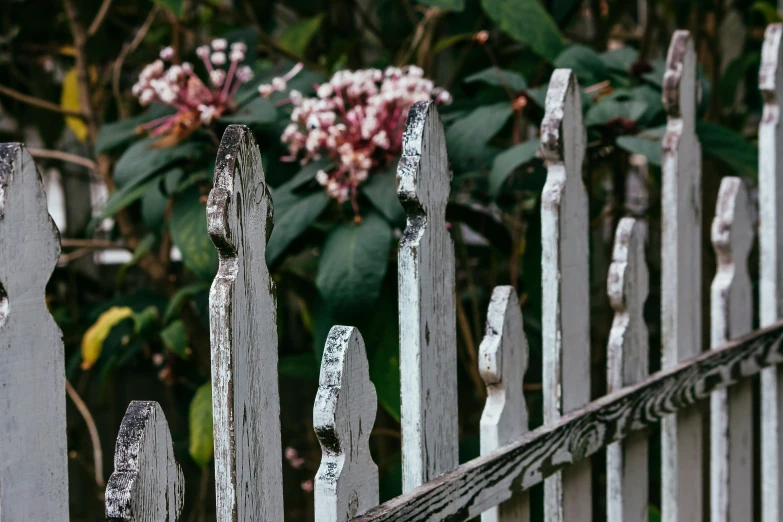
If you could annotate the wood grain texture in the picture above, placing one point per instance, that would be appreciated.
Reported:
(346, 484)
(681, 436)
(628, 352)
(503, 356)
(147, 484)
(565, 279)
(731, 310)
(243, 330)
(488, 480)
(33, 452)
(771, 266)
(428, 343)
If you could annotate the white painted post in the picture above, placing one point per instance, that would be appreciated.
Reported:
(681, 434)
(503, 358)
(771, 266)
(428, 344)
(731, 409)
(243, 330)
(147, 483)
(33, 452)
(346, 484)
(565, 281)
(628, 350)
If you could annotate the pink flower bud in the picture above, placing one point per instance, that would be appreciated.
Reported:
(244, 74)
(202, 52)
(239, 46)
(219, 44)
(167, 53)
(236, 55)
(218, 58)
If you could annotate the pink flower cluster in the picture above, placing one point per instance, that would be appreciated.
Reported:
(357, 120)
(179, 87)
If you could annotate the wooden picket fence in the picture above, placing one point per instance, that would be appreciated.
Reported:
(147, 484)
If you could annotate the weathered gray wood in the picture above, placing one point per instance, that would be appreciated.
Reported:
(243, 331)
(731, 409)
(428, 343)
(346, 484)
(147, 483)
(33, 452)
(488, 480)
(503, 358)
(627, 360)
(681, 436)
(771, 266)
(565, 313)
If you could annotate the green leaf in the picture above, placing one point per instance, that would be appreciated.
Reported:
(586, 64)
(449, 5)
(730, 147)
(130, 192)
(296, 38)
(144, 321)
(620, 60)
(381, 190)
(300, 366)
(655, 76)
(306, 174)
(766, 10)
(509, 160)
(113, 135)
(189, 232)
(256, 112)
(293, 215)
(499, 78)
(201, 444)
(382, 336)
(447, 42)
(175, 6)
(153, 206)
(466, 138)
(175, 338)
(608, 109)
(182, 294)
(353, 263)
(647, 143)
(526, 21)
(140, 161)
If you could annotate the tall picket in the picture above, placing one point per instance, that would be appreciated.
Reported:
(731, 311)
(627, 363)
(33, 452)
(771, 266)
(565, 281)
(681, 434)
(428, 343)
(503, 358)
(243, 329)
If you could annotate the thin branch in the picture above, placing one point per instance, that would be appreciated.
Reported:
(127, 49)
(37, 102)
(99, 17)
(63, 156)
(97, 454)
(92, 244)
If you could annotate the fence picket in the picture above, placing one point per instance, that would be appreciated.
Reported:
(428, 344)
(346, 484)
(243, 329)
(503, 358)
(147, 484)
(770, 263)
(681, 435)
(731, 409)
(33, 452)
(627, 361)
(565, 284)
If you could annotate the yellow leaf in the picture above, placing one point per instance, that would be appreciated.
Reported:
(92, 341)
(69, 100)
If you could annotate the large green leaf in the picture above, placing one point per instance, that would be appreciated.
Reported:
(586, 64)
(153, 206)
(175, 6)
(293, 215)
(466, 138)
(730, 147)
(608, 109)
(189, 232)
(140, 161)
(300, 366)
(306, 174)
(131, 192)
(296, 37)
(509, 160)
(381, 190)
(175, 338)
(620, 60)
(258, 111)
(499, 78)
(201, 445)
(449, 5)
(647, 143)
(526, 21)
(112, 135)
(353, 264)
(381, 336)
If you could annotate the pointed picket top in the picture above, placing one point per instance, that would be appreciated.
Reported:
(147, 484)
(33, 452)
(565, 313)
(770, 274)
(731, 418)
(346, 484)
(243, 330)
(428, 343)
(627, 361)
(503, 356)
